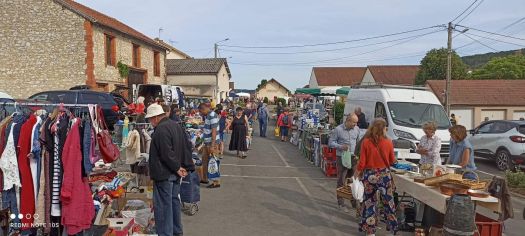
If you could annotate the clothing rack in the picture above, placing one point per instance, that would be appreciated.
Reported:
(45, 104)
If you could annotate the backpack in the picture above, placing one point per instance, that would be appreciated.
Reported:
(285, 120)
(262, 113)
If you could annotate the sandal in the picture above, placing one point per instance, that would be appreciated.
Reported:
(214, 186)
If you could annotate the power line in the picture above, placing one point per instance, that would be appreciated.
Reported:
(332, 43)
(466, 35)
(499, 31)
(498, 40)
(313, 63)
(473, 9)
(463, 12)
(316, 51)
(487, 32)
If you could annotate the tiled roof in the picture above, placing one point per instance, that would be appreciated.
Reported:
(338, 76)
(275, 81)
(482, 92)
(195, 66)
(171, 48)
(107, 21)
(394, 74)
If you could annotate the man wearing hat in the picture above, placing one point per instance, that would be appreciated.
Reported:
(168, 162)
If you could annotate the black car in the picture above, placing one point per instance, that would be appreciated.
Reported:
(105, 100)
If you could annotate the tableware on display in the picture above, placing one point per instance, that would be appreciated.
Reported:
(478, 193)
(450, 189)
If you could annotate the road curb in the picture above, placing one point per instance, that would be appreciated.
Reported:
(516, 195)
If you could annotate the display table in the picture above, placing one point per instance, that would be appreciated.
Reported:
(431, 196)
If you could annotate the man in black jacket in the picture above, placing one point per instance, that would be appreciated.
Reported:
(169, 160)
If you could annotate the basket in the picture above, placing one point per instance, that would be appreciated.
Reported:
(472, 184)
(434, 181)
(345, 191)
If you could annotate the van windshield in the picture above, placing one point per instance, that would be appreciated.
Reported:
(414, 115)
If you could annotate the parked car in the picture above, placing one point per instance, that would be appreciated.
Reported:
(405, 110)
(105, 100)
(5, 96)
(500, 140)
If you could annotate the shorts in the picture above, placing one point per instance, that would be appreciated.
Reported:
(284, 131)
(221, 136)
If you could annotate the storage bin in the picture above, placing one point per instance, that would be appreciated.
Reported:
(488, 227)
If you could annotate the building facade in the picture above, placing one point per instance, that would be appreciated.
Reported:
(208, 77)
(271, 90)
(58, 44)
(474, 101)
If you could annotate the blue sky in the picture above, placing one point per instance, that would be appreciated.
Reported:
(195, 25)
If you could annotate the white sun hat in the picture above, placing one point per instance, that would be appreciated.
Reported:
(154, 110)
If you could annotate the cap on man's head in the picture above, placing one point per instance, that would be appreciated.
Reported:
(154, 110)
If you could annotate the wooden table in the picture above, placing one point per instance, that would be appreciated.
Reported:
(432, 197)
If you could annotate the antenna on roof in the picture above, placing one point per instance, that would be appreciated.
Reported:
(160, 31)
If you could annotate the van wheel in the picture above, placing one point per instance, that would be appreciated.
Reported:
(503, 160)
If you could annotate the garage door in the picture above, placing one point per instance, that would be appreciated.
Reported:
(464, 117)
(518, 115)
(492, 115)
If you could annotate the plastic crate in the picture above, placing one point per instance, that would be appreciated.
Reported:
(329, 168)
(329, 153)
(488, 227)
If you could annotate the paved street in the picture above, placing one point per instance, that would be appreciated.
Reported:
(275, 191)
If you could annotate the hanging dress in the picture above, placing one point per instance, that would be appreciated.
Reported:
(27, 192)
(239, 132)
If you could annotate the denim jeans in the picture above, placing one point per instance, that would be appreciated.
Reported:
(86, 149)
(9, 201)
(263, 125)
(167, 206)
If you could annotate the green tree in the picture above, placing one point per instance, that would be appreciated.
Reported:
(263, 82)
(265, 100)
(339, 110)
(434, 66)
(509, 67)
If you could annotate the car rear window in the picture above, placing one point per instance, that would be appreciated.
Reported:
(93, 98)
(521, 129)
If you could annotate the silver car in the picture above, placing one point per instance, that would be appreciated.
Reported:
(500, 140)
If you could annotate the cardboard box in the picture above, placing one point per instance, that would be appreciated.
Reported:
(121, 226)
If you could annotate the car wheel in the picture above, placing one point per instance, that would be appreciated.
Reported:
(503, 160)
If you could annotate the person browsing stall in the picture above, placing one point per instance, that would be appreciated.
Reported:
(344, 138)
(376, 157)
(168, 162)
(263, 115)
(211, 140)
(430, 145)
(461, 152)
(285, 123)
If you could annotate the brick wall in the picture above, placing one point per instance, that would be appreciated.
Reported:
(42, 47)
(124, 53)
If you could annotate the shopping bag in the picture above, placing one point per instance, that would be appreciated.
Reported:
(277, 131)
(346, 158)
(358, 189)
(214, 168)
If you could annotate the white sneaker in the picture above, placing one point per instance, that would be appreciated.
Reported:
(344, 209)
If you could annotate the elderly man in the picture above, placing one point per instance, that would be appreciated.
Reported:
(344, 138)
(263, 115)
(361, 123)
(211, 141)
(169, 160)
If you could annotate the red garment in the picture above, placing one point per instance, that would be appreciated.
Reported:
(371, 158)
(139, 109)
(78, 209)
(27, 192)
(280, 122)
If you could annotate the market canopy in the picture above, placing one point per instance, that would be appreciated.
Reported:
(343, 91)
(243, 94)
(312, 91)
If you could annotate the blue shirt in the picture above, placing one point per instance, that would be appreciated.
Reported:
(456, 154)
(211, 122)
(342, 136)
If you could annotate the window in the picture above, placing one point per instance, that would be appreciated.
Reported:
(156, 63)
(110, 50)
(414, 115)
(502, 127)
(40, 97)
(380, 111)
(136, 55)
(92, 98)
(62, 97)
(485, 129)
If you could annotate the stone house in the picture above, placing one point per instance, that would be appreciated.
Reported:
(322, 77)
(390, 74)
(203, 78)
(473, 101)
(271, 90)
(58, 44)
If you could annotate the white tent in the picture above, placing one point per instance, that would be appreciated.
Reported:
(330, 90)
(243, 94)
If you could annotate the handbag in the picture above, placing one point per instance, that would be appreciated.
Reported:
(214, 168)
(277, 131)
(109, 151)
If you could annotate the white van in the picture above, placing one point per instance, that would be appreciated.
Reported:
(152, 91)
(405, 109)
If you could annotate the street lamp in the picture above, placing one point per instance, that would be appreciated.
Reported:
(216, 46)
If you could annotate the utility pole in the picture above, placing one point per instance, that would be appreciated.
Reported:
(216, 49)
(449, 67)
